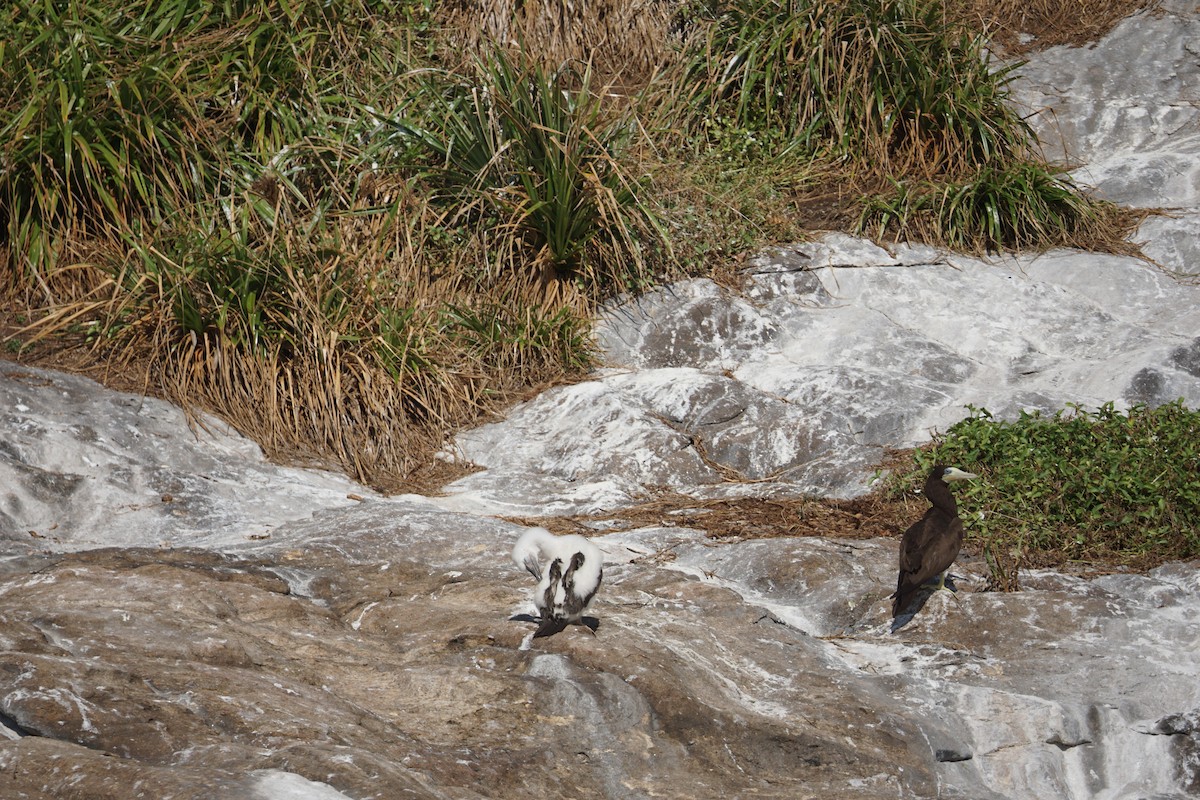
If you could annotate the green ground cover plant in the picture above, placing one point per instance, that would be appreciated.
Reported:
(1080, 485)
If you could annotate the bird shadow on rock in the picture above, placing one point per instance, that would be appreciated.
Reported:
(920, 599)
(591, 623)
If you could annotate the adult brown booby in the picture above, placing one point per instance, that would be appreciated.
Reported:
(568, 570)
(930, 546)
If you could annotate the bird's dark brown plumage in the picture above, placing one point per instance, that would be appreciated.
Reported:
(930, 546)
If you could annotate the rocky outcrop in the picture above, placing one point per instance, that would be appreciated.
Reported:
(385, 651)
(84, 468)
(836, 349)
(1123, 113)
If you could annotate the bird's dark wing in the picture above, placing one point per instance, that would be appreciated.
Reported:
(531, 564)
(942, 550)
(555, 576)
(577, 603)
(928, 548)
(916, 540)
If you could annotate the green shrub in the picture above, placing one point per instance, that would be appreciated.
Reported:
(1078, 485)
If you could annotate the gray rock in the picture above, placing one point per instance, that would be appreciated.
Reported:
(852, 347)
(384, 651)
(843, 349)
(689, 324)
(1123, 113)
(867, 349)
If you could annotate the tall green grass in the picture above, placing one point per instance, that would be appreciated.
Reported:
(1019, 205)
(119, 116)
(537, 154)
(890, 81)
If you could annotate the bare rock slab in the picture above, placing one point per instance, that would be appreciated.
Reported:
(84, 467)
(1121, 114)
(407, 682)
(383, 651)
(835, 350)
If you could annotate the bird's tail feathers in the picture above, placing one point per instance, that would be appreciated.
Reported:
(550, 625)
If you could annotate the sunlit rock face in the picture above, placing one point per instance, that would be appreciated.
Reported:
(837, 349)
(1123, 114)
(82, 468)
(180, 619)
(384, 651)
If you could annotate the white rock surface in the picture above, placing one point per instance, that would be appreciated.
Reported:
(1125, 112)
(838, 348)
(82, 467)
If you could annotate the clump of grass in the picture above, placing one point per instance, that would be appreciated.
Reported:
(1020, 205)
(896, 93)
(890, 83)
(536, 155)
(323, 330)
(1080, 485)
(119, 115)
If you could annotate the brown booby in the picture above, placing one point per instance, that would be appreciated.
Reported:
(568, 570)
(930, 546)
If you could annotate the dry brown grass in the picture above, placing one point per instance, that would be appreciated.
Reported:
(1021, 27)
(628, 40)
(748, 518)
(329, 395)
(625, 41)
